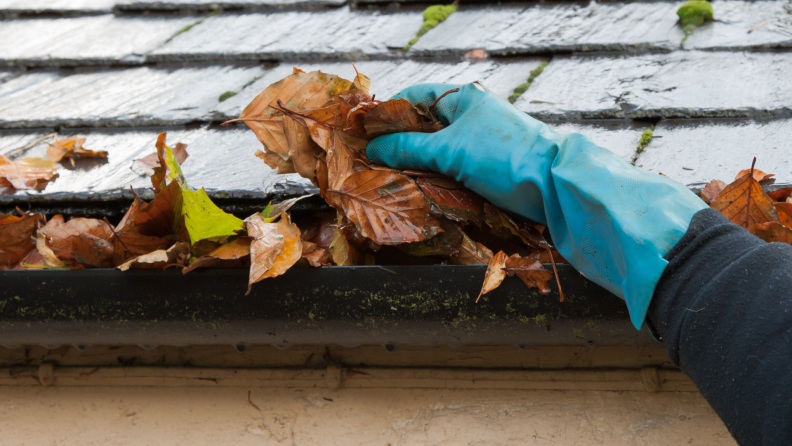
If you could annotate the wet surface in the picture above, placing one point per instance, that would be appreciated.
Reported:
(335, 34)
(95, 40)
(188, 5)
(540, 28)
(770, 22)
(56, 6)
(390, 77)
(137, 96)
(696, 152)
(221, 161)
(693, 84)
(620, 137)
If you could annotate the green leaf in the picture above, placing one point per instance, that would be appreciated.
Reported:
(204, 220)
(272, 212)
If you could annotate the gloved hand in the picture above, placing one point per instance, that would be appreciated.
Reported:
(612, 222)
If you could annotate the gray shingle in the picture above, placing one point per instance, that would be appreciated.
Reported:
(538, 28)
(696, 152)
(56, 6)
(247, 5)
(680, 84)
(138, 96)
(221, 161)
(735, 18)
(83, 40)
(389, 77)
(335, 34)
(620, 137)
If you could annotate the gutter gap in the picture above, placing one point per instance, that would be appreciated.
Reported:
(522, 88)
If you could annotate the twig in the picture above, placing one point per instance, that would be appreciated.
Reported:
(748, 202)
(453, 90)
(251, 402)
(386, 269)
(116, 235)
(555, 270)
(51, 135)
(694, 311)
(757, 27)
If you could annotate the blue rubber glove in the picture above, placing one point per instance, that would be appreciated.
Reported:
(612, 222)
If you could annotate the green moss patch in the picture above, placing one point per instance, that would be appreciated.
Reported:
(522, 88)
(693, 14)
(226, 95)
(646, 138)
(432, 16)
(189, 27)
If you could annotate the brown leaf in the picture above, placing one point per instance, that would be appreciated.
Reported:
(711, 190)
(315, 255)
(319, 229)
(81, 240)
(275, 247)
(33, 258)
(298, 92)
(27, 173)
(71, 148)
(387, 208)
(127, 245)
(395, 116)
(442, 181)
(17, 236)
(781, 194)
(177, 255)
(151, 162)
(503, 226)
(772, 232)
(50, 259)
(233, 254)
(302, 148)
(531, 271)
(343, 253)
(455, 204)
(452, 243)
(129, 217)
(763, 178)
(784, 212)
(745, 203)
(157, 218)
(274, 161)
(495, 274)
(361, 81)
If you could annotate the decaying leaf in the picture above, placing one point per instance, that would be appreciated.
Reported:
(765, 179)
(86, 241)
(151, 162)
(71, 148)
(772, 232)
(784, 212)
(17, 237)
(503, 225)
(275, 247)
(176, 255)
(745, 203)
(157, 218)
(531, 271)
(233, 254)
(272, 212)
(395, 116)
(27, 173)
(388, 208)
(495, 273)
(127, 245)
(781, 194)
(455, 204)
(711, 190)
(299, 92)
(50, 259)
(314, 255)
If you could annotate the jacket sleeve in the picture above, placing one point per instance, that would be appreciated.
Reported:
(724, 309)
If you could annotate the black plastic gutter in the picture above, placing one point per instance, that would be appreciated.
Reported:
(391, 306)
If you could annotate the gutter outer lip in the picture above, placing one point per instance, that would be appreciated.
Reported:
(350, 306)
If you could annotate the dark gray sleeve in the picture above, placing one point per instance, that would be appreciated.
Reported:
(724, 309)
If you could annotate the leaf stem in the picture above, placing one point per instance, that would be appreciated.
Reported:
(453, 90)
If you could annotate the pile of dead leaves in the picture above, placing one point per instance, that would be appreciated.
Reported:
(36, 173)
(180, 228)
(744, 202)
(318, 125)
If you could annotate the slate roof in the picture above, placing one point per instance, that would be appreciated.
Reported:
(121, 71)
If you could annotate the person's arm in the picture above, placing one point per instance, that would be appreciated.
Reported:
(723, 306)
(720, 297)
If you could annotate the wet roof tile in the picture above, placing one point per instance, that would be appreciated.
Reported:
(389, 77)
(695, 152)
(769, 22)
(178, 5)
(340, 33)
(680, 84)
(56, 6)
(84, 40)
(618, 136)
(137, 96)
